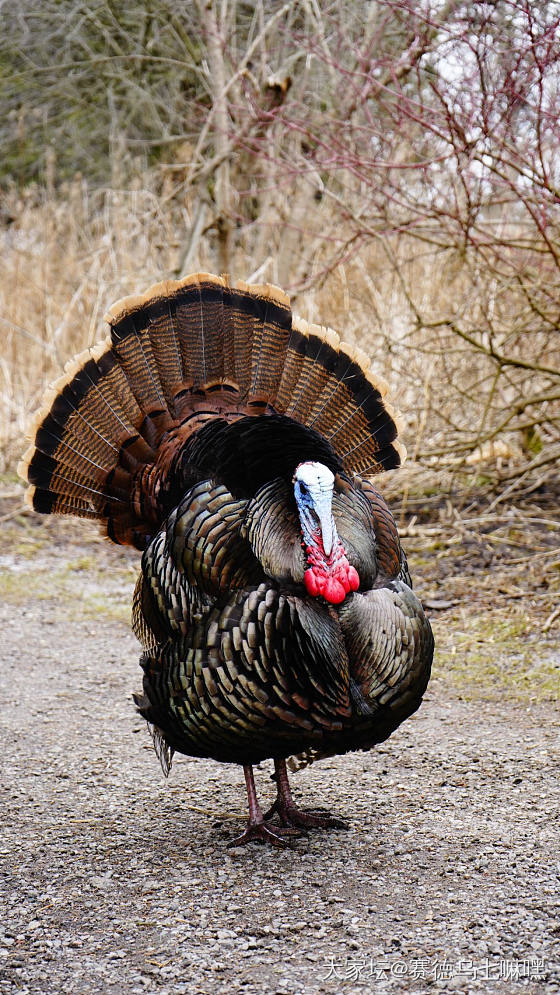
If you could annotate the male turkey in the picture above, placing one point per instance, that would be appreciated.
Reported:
(223, 437)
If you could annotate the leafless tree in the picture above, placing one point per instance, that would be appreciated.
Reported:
(396, 161)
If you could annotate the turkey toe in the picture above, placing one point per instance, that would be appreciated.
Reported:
(310, 818)
(263, 832)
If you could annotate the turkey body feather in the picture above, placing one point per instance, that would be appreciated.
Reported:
(232, 444)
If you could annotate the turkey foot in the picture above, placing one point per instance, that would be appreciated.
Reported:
(257, 828)
(310, 818)
(290, 815)
(266, 833)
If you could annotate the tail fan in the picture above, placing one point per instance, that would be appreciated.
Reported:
(182, 354)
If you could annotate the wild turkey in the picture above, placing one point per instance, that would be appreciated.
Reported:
(223, 437)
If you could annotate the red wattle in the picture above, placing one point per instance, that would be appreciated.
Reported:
(334, 591)
(331, 577)
(353, 579)
(311, 585)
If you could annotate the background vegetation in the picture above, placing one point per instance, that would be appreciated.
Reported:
(393, 165)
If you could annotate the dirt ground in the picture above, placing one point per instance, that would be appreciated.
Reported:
(116, 881)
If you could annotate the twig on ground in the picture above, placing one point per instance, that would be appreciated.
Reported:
(551, 619)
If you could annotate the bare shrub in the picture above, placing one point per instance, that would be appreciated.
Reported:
(393, 165)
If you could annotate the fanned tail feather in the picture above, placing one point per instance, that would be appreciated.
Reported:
(182, 354)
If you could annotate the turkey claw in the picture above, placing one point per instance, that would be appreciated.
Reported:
(264, 832)
(312, 818)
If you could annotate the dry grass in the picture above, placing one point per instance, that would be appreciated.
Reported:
(65, 261)
(67, 258)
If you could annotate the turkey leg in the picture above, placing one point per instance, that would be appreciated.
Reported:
(257, 828)
(290, 815)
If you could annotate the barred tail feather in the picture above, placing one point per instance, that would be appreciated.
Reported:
(183, 353)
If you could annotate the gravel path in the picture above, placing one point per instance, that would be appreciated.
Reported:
(116, 881)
